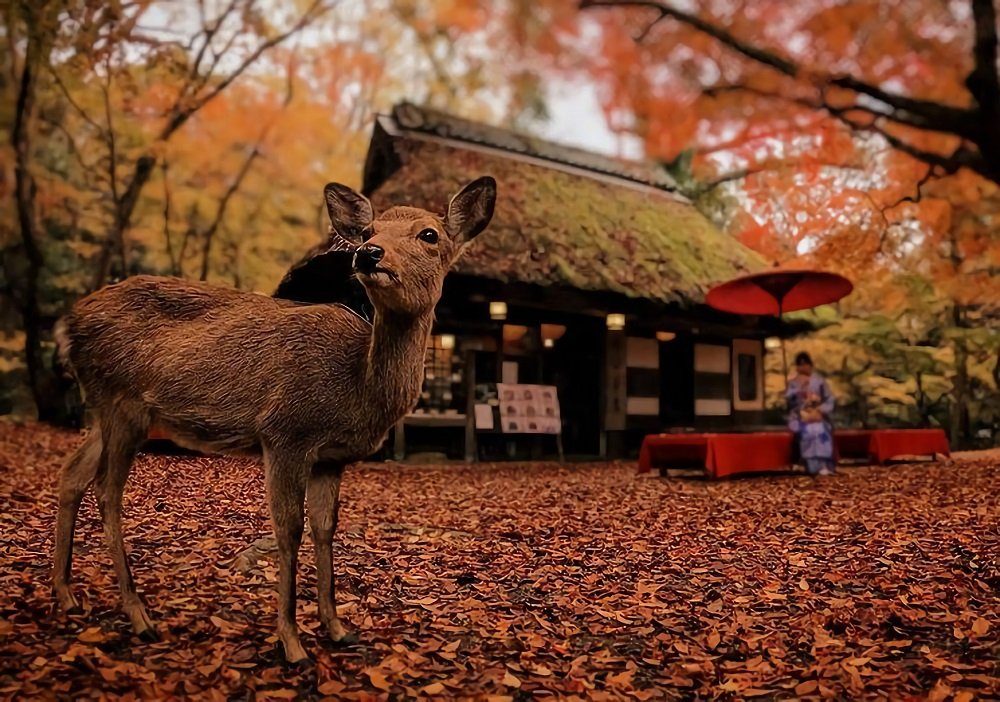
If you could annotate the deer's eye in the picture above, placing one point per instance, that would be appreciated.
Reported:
(428, 235)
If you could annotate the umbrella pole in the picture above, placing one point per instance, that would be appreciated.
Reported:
(784, 353)
(784, 362)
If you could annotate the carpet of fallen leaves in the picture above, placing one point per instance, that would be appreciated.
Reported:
(513, 581)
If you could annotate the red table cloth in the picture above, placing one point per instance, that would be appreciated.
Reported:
(721, 455)
(892, 443)
(853, 443)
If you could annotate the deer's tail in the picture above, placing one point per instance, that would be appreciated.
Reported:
(62, 363)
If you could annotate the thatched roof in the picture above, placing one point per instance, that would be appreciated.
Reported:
(564, 217)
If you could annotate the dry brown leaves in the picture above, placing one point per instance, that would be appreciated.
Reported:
(517, 581)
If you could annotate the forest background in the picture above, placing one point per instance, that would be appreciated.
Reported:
(191, 138)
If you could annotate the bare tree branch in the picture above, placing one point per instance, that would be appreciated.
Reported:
(181, 114)
(175, 268)
(74, 104)
(234, 185)
(220, 210)
(182, 110)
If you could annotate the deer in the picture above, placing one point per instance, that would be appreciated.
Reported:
(310, 388)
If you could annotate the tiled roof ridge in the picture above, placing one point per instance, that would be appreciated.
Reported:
(448, 126)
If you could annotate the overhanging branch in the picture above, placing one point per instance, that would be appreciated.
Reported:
(925, 114)
(961, 157)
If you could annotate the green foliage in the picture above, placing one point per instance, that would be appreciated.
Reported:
(901, 369)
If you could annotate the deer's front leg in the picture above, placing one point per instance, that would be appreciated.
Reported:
(286, 476)
(324, 502)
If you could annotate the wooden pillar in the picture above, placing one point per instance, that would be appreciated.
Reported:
(615, 390)
(399, 441)
(471, 448)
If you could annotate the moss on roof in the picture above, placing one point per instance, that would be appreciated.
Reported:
(553, 227)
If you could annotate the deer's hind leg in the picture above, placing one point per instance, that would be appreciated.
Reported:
(324, 501)
(124, 432)
(76, 477)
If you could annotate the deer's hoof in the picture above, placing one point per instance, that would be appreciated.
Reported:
(150, 635)
(142, 625)
(348, 638)
(294, 654)
(339, 634)
(67, 602)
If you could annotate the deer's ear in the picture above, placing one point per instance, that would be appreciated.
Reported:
(471, 209)
(351, 213)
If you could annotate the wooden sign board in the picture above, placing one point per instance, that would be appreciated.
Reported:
(529, 409)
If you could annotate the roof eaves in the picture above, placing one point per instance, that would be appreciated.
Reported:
(410, 120)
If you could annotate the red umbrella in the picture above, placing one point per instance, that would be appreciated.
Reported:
(778, 291)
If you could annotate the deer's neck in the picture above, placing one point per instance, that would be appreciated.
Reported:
(395, 368)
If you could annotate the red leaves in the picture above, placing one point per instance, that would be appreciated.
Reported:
(512, 581)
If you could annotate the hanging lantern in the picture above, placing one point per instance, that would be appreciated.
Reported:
(513, 333)
(552, 332)
(498, 311)
(616, 321)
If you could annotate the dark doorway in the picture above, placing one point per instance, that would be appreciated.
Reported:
(574, 366)
(677, 381)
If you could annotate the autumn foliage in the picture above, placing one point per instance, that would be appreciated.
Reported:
(191, 138)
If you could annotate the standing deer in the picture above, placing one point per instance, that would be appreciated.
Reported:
(310, 387)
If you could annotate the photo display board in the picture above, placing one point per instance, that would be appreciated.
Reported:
(528, 409)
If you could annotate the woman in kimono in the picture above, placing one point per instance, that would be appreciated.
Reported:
(810, 410)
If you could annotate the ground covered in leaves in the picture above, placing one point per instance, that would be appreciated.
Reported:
(516, 581)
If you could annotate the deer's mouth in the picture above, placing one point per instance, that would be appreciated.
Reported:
(381, 275)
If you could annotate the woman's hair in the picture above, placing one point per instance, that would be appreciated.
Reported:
(802, 358)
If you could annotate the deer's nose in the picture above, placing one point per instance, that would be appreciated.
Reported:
(366, 258)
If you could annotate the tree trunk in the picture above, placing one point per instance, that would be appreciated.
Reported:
(923, 410)
(996, 396)
(40, 378)
(123, 218)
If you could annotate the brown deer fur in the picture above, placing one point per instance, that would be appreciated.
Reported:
(311, 387)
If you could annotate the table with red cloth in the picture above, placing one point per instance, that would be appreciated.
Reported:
(893, 443)
(720, 455)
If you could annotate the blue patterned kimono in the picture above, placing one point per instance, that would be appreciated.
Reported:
(815, 438)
